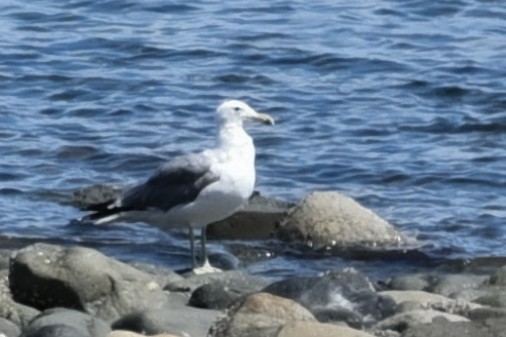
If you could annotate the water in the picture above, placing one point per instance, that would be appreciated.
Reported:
(399, 104)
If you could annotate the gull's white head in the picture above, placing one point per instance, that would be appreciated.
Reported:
(234, 111)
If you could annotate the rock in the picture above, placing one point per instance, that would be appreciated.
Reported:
(340, 295)
(442, 328)
(8, 328)
(405, 320)
(160, 275)
(46, 276)
(312, 329)
(121, 333)
(494, 297)
(331, 218)
(59, 330)
(222, 293)
(236, 277)
(54, 322)
(482, 314)
(90, 196)
(259, 314)
(499, 277)
(445, 284)
(425, 300)
(174, 319)
(257, 220)
(17, 313)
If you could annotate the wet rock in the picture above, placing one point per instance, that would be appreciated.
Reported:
(8, 328)
(331, 218)
(46, 276)
(90, 196)
(340, 295)
(66, 322)
(443, 328)
(259, 314)
(405, 320)
(313, 329)
(257, 220)
(174, 319)
(222, 293)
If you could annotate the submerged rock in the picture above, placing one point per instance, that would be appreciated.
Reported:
(46, 276)
(331, 218)
(257, 220)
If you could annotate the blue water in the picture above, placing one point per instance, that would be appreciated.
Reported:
(399, 104)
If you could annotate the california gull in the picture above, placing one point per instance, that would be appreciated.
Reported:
(196, 189)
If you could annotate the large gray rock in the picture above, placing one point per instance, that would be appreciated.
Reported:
(259, 314)
(337, 296)
(46, 276)
(66, 322)
(331, 218)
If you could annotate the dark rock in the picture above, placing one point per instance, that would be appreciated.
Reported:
(220, 294)
(64, 321)
(8, 328)
(19, 314)
(259, 314)
(174, 319)
(333, 219)
(341, 295)
(257, 220)
(443, 328)
(46, 276)
(90, 196)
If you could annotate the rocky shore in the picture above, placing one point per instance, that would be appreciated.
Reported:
(52, 290)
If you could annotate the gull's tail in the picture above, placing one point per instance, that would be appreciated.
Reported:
(103, 213)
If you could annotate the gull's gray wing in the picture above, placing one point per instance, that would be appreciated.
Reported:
(179, 181)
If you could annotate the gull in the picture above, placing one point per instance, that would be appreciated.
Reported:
(196, 189)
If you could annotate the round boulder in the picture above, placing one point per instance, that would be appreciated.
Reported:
(333, 219)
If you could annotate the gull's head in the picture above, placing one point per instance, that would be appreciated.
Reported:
(237, 111)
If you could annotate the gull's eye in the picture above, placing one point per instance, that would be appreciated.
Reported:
(237, 109)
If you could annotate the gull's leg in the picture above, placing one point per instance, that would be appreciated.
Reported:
(206, 266)
(203, 249)
(192, 247)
